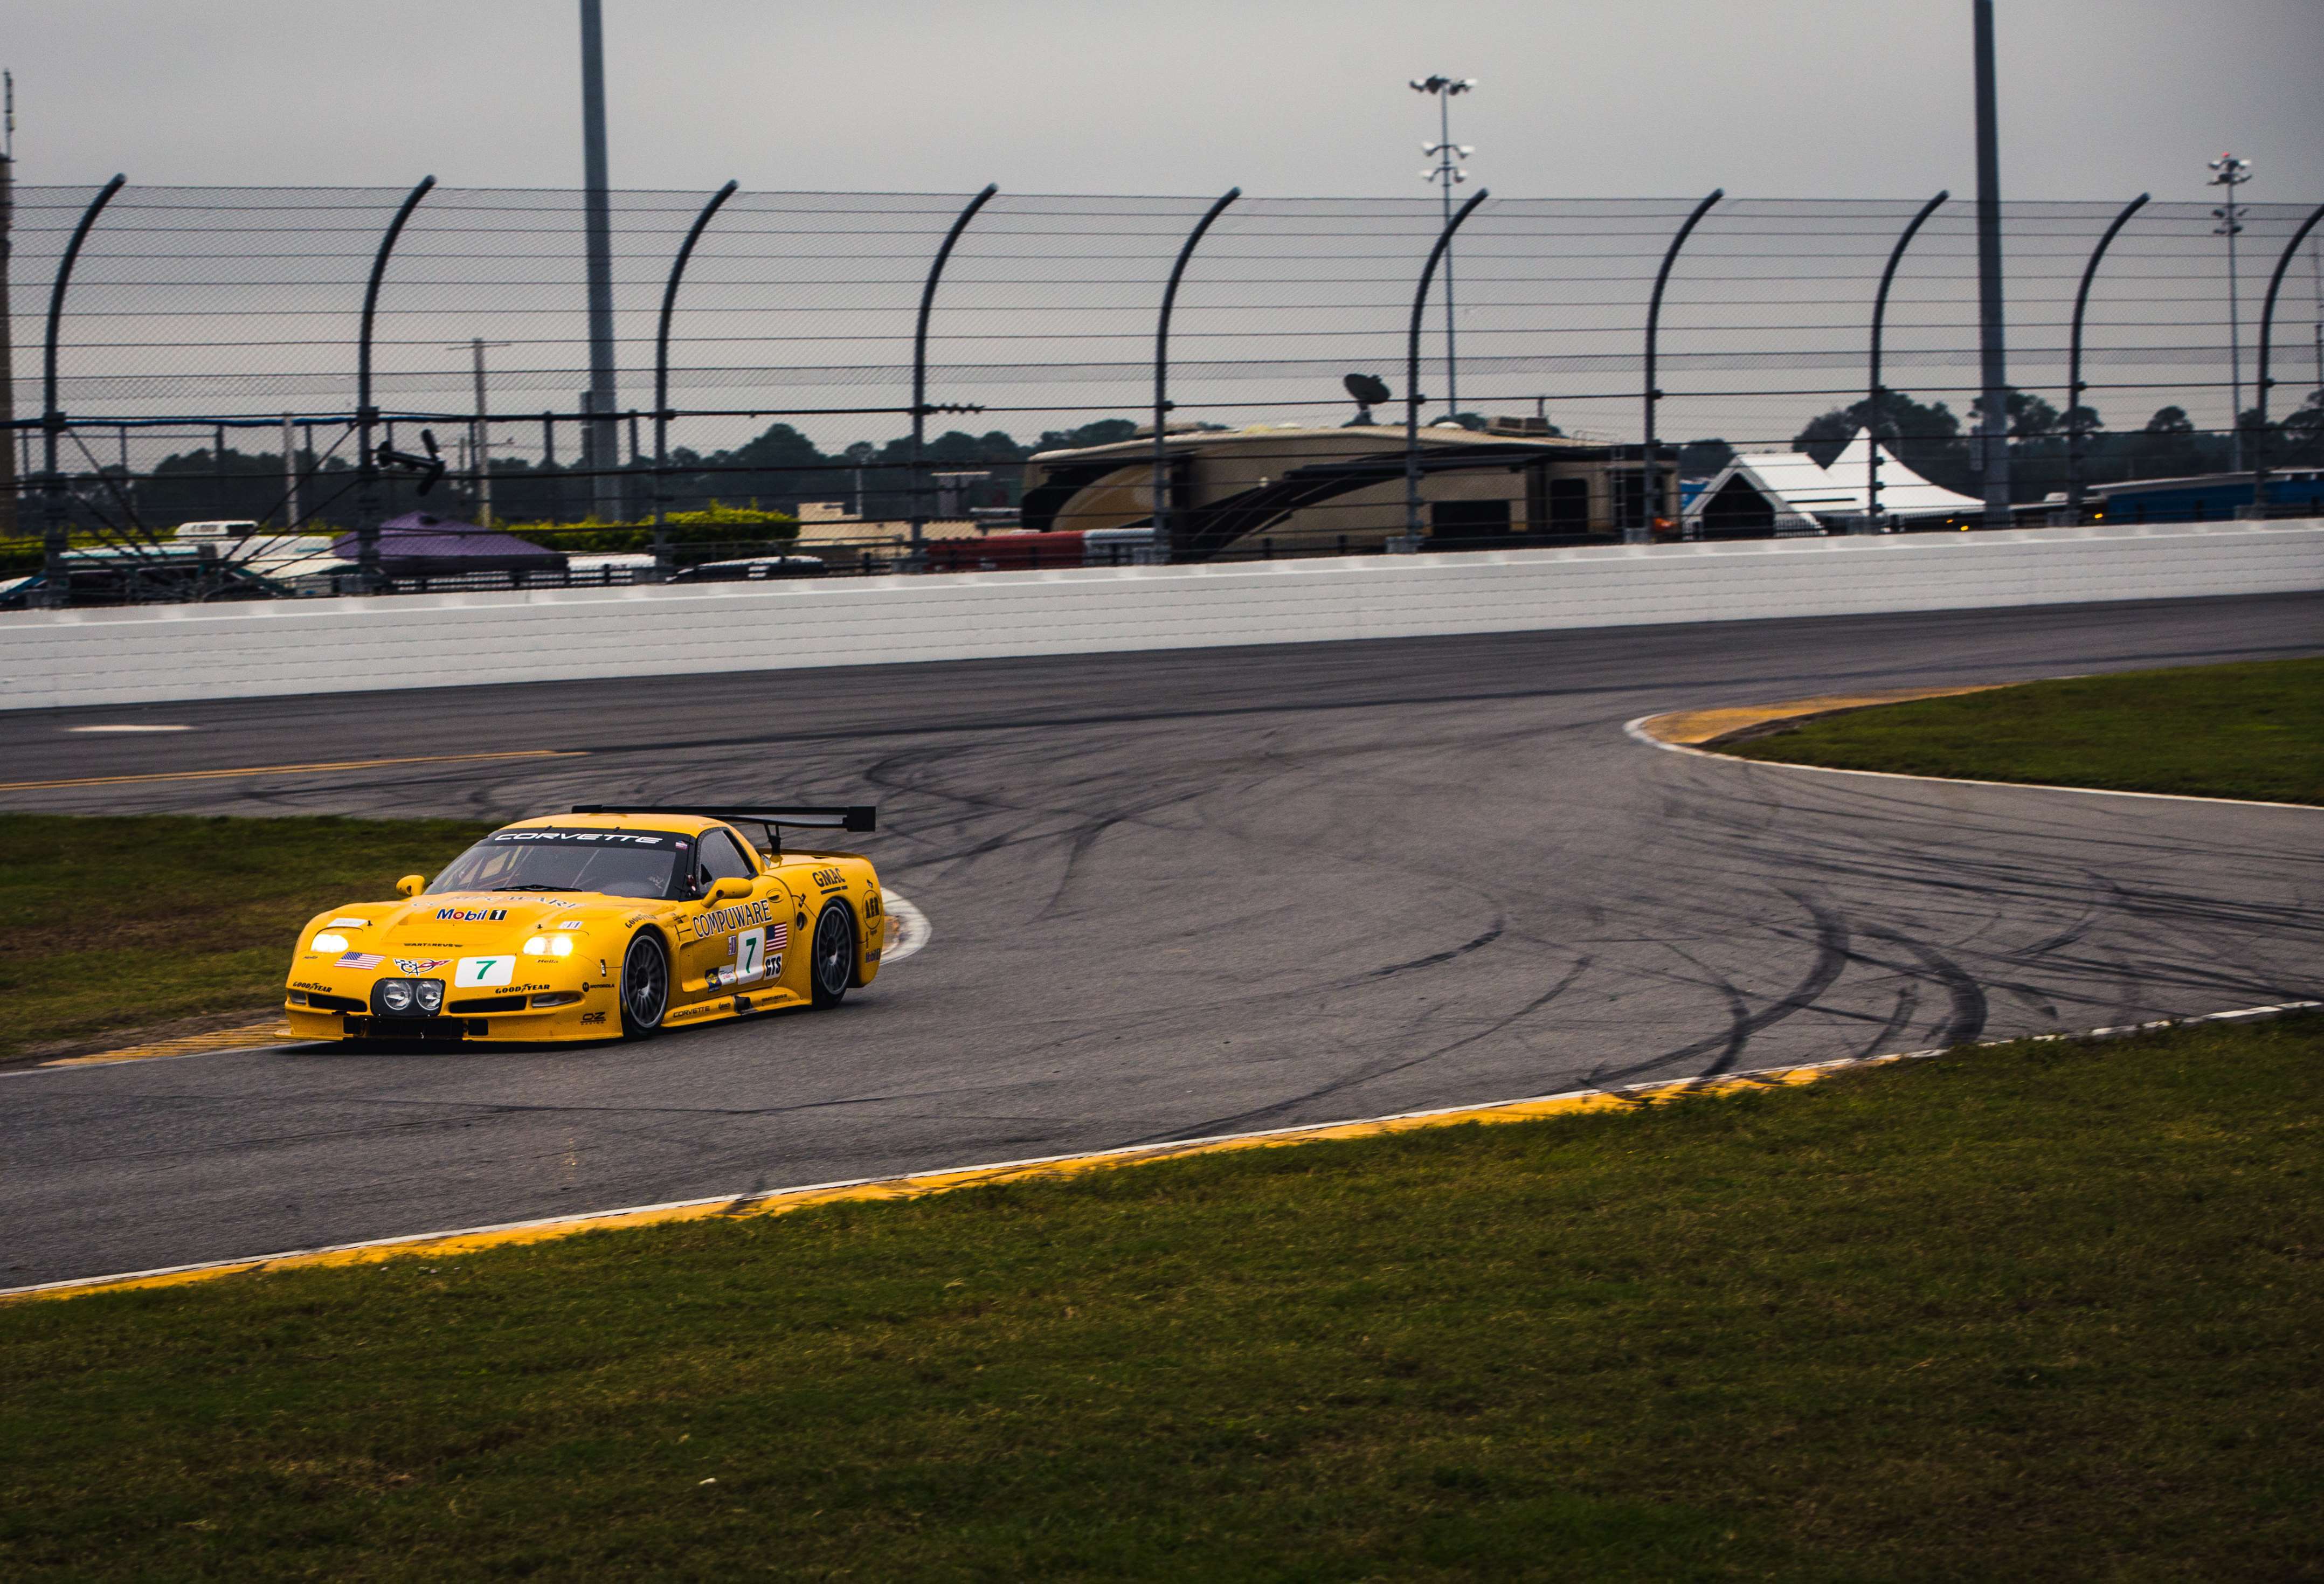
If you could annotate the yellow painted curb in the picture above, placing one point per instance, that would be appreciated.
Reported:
(1693, 728)
(1057, 1168)
(273, 1031)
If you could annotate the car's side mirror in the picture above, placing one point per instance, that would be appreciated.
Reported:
(730, 890)
(411, 885)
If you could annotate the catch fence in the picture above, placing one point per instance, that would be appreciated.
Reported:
(206, 347)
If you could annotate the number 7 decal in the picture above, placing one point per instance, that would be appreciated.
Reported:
(751, 954)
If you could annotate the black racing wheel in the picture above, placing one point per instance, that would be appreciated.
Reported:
(645, 985)
(831, 966)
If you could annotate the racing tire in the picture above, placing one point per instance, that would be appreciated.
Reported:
(644, 986)
(831, 956)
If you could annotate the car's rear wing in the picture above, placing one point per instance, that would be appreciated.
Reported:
(851, 816)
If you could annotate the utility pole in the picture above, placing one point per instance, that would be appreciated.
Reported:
(289, 472)
(605, 441)
(10, 484)
(1992, 332)
(2316, 284)
(479, 436)
(1446, 173)
(2231, 173)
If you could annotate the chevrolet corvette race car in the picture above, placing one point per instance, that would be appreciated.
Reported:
(604, 922)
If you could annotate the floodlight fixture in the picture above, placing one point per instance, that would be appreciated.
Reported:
(1447, 174)
(2231, 173)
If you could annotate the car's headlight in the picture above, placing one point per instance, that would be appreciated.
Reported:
(549, 946)
(327, 942)
(428, 993)
(395, 994)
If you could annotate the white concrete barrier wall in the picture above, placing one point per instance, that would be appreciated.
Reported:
(154, 653)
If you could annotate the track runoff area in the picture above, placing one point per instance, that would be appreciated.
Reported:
(1182, 896)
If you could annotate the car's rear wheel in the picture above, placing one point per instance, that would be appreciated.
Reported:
(645, 986)
(831, 968)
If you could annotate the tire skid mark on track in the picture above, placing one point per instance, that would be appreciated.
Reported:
(1833, 954)
(1436, 958)
(1966, 1020)
(1369, 1072)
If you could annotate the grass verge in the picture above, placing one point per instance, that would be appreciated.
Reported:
(119, 922)
(2253, 731)
(2049, 1310)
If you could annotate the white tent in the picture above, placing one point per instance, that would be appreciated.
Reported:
(1802, 498)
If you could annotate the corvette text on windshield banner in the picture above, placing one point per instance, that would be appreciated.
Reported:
(664, 839)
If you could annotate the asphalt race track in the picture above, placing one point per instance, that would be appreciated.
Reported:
(1184, 893)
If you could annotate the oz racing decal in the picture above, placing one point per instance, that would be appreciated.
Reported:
(484, 972)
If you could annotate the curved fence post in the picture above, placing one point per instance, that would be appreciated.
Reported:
(1162, 371)
(1872, 400)
(1647, 491)
(366, 415)
(55, 535)
(2074, 386)
(921, 365)
(2266, 333)
(1411, 372)
(662, 377)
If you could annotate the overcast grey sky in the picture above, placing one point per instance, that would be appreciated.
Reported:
(1578, 97)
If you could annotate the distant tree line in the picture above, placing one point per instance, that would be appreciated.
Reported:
(1931, 440)
(779, 468)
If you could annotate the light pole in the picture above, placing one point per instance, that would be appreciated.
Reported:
(1447, 174)
(602, 440)
(2231, 173)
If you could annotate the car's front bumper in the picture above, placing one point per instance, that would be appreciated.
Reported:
(594, 1017)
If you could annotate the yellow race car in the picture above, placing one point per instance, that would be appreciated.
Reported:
(602, 923)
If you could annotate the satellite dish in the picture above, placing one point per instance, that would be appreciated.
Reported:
(1369, 390)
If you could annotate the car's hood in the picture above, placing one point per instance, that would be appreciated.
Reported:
(467, 921)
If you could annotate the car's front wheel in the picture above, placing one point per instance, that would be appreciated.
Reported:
(645, 986)
(832, 966)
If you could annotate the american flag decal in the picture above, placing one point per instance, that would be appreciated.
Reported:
(779, 935)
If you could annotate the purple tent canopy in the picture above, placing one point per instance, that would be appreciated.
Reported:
(422, 544)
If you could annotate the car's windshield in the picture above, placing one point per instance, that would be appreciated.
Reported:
(615, 863)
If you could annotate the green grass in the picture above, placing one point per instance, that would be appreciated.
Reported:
(115, 923)
(2254, 731)
(2050, 1311)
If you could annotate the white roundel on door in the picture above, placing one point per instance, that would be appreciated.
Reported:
(480, 973)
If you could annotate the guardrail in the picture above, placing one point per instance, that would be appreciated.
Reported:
(156, 653)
